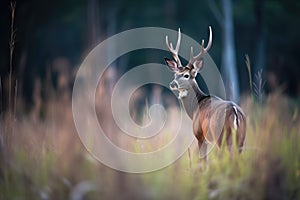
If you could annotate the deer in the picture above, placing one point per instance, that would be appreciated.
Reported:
(214, 120)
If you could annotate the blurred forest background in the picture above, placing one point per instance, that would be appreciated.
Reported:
(53, 37)
(44, 42)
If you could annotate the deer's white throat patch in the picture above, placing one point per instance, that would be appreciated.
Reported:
(182, 93)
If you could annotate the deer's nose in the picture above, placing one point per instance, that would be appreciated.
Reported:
(173, 85)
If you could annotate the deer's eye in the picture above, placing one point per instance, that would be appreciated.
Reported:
(186, 76)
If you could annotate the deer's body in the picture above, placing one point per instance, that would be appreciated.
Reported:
(206, 111)
(213, 118)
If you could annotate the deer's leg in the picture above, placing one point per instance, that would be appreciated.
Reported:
(202, 153)
(225, 138)
(229, 140)
(241, 134)
(202, 149)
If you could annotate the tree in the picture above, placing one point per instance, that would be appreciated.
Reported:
(228, 66)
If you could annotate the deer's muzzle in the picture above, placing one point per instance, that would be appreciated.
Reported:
(173, 85)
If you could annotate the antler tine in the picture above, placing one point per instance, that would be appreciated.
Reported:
(191, 58)
(203, 50)
(173, 51)
(209, 40)
(178, 41)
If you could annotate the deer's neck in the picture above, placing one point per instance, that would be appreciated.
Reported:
(191, 101)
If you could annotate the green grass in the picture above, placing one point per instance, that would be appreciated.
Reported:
(47, 160)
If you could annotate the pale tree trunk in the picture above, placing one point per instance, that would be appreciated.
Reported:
(229, 69)
(100, 29)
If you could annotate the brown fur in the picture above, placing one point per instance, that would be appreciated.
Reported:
(214, 120)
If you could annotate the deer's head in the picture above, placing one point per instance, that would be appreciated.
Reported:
(184, 76)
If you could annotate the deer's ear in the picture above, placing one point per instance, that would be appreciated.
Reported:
(171, 64)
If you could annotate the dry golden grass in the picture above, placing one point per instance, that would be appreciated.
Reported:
(47, 160)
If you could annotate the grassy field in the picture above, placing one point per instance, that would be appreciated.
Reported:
(43, 158)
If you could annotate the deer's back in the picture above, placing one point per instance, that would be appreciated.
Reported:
(214, 116)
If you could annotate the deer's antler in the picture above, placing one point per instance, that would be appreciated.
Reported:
(202, 52)
(173, 51)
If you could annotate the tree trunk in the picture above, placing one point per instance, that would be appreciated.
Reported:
(229, 69)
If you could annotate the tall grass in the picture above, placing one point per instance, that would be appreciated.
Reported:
(248, 65)
(49, 162)
(9, 107)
